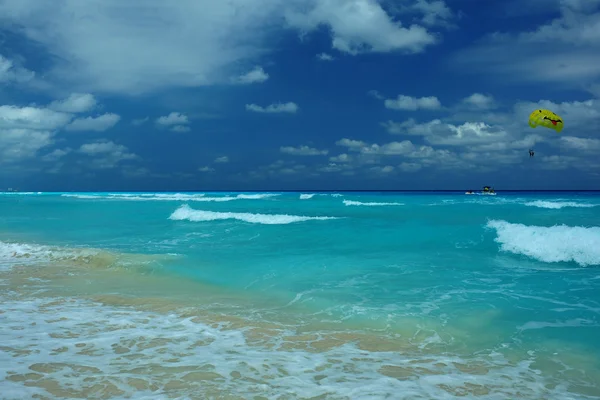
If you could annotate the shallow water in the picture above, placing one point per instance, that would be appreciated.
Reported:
(297, 295)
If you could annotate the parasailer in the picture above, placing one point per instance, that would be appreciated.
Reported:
(531, 153)
(546, 118)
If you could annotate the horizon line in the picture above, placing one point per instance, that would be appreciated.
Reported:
(299, 190)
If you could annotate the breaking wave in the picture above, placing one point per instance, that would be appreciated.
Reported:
(558, 243)
(185, 212)
(372, 204)
(200, 197)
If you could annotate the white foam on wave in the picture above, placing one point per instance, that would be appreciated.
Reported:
(307, 196)
(200, 197)
(185, 212)
(12, 254)
(559, 243)
(558, 204)
(371, 204)
(112, 352)
(20, 193)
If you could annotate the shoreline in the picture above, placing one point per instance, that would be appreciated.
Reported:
(54, 291)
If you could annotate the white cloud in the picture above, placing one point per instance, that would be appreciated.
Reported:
(98, 124)
(563, 52)
(223, 159)
(75, 103)
(481, 101)
(106, 154)
(256, 75)
(434, 12)
(403, 148)
(173, 118)
(9, 72)
(505, 139)
(303, 151)
(176, 121)
(31, 118)
(359, 26)
(289, 107)
(206, 169)
(18, 144)
(325, 57)
(341, 158)
(351, 144)
(26, 130)
(403, 102)
(580, 144)
(134, 47)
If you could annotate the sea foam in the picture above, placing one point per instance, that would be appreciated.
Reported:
(558, 204)
(558, 243)
(185, 212)
(372, 204)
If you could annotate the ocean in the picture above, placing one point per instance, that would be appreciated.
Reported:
(350, 295)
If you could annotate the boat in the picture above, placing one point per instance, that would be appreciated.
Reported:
(488, 191)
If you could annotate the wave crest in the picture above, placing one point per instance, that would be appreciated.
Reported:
(559, 243)
(185, 212)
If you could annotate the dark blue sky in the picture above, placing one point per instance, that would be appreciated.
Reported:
(290, 94)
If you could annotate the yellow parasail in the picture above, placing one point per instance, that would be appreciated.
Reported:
(546, 118)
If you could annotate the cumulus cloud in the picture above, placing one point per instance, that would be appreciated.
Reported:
(256, 75)
(175, 121)
(503, 137)
(351, 144)
(223, 159)
(303, 151)
(206, 169)
(341, 158)
(19, 144)
(409, 103)
(75, 103)
(9, 72)
(106, 154)
(173, 118)
(24, 131)
(98, 124)
(410, 157)
(32, 118)
(289, 107)
(359, 26)
(193, 42)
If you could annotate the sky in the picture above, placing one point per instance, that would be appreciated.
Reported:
(108, 95)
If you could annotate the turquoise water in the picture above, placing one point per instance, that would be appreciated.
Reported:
(510, 281)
